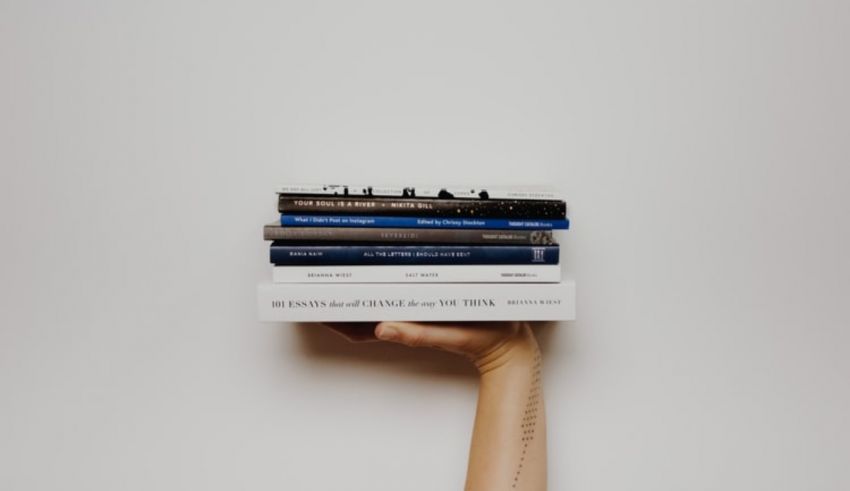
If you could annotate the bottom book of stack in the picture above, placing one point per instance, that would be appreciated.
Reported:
(341, 302)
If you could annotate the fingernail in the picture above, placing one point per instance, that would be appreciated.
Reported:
(387, 332)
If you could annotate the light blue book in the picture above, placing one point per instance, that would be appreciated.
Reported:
(287, 220)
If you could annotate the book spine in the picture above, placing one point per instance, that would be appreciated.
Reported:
(422, 302)
(419, 222)
(423, 207)
(408, 235)
(546, 273)
(285, 254)
(455, 192)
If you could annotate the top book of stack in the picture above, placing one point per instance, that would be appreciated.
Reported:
(450, 192)
(409, 207)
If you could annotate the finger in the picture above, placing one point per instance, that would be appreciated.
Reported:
(355, 332)
(450, 338)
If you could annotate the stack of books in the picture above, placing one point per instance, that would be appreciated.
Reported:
(362, 253)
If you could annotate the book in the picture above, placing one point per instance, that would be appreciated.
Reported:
(419, 222)
(285, 253)
(427, 207)
(275, 231)
(416, 302)
(446, 192)
(538, 273)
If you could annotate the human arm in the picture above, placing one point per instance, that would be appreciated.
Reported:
(508, 448)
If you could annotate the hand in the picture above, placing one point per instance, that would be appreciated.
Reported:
(489, 345)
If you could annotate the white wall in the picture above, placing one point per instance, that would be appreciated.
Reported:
(703, 147)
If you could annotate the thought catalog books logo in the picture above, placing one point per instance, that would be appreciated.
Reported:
(537, 254)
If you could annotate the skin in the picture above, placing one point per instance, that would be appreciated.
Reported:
(508, 450)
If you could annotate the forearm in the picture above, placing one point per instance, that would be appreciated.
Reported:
(508, 450)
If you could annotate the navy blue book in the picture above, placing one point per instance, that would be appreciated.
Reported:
(288, 220)
(286, 253)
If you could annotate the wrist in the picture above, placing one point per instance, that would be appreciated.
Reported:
(518, 351)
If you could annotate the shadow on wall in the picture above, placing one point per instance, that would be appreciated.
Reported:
(321, 345)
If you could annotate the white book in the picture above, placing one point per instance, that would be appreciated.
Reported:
(467, 273)
(340, 302)
(459, 191)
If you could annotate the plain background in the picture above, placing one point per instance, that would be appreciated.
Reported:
(703, 148)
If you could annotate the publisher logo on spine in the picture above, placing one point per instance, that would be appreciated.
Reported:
(537, 254)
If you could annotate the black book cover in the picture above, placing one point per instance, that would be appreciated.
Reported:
(424, 207)
(274, 231)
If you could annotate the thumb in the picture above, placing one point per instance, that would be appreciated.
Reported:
(450, 338)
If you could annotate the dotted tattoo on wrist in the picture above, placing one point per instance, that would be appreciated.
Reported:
(529, 417)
